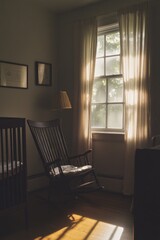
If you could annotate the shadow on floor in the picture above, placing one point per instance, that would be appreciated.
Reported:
(96, 216)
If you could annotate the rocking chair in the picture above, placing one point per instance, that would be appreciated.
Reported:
(71, 174)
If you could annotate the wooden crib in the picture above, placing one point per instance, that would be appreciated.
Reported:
(13, 169)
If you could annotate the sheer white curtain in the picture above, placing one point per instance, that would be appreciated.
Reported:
(85, 41)
(135, 59)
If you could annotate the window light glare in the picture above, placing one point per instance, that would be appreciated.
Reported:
(85, 228)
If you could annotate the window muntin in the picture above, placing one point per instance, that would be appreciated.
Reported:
(107, 110)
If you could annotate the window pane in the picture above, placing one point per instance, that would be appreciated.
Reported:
(108, 87)
(112, 65)
(115, 116)
(113, 43)
(99, 91)
(100, 46)
(98, 115)
(115, 89)
(99, 67)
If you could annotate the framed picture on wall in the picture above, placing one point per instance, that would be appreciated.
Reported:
(13, 75)
(43, 74)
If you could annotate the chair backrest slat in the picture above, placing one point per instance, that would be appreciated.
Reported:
(50, 142)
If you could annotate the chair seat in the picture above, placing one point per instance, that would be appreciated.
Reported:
(70, 170)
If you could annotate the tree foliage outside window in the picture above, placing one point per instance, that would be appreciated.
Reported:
(107, 111)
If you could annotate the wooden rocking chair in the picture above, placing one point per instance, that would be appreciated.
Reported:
(71, 174)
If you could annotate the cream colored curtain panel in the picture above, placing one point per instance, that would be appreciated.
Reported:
(135, 59)
(85, 40)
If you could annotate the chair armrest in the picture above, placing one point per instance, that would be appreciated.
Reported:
(81, 154)
(81, 159)
(56, 162)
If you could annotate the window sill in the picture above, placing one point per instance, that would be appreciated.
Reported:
(103, 132)
(108, 136)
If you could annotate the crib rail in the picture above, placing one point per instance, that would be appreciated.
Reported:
(12, 162)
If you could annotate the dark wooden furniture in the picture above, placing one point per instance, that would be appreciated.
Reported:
(147, 194)
(155, 140)
(70, 174)
(13, 185)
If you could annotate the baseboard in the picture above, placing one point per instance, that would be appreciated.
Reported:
(39, 181)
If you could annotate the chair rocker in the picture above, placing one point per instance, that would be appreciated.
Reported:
(68, 174)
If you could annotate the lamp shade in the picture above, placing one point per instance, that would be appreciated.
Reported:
(62, 101)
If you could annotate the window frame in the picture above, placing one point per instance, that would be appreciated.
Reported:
(104, 30)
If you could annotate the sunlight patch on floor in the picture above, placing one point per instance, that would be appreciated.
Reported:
(83, 228)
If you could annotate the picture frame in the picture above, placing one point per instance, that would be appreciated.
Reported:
(43, 73)
(13, 75)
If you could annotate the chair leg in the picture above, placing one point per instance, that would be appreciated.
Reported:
(97, 181)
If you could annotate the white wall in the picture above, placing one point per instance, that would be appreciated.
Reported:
(27, 34)
(108, 159)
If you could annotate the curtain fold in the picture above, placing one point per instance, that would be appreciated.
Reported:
(85, 41)
(136, 71)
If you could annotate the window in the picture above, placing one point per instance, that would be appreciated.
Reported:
(107, 110)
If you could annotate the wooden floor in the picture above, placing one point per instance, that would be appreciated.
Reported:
(94, 216)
